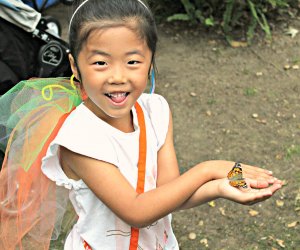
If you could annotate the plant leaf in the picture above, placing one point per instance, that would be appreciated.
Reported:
(209, 21)
(179, 17)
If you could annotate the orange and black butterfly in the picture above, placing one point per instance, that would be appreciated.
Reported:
(235, 176)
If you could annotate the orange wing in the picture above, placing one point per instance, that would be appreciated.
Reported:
(238, 183)
(235, 176)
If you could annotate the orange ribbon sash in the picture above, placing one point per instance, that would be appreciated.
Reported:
(141, 173)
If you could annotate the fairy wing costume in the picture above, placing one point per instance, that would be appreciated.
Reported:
(31, 206)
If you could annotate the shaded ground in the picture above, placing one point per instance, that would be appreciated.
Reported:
(241, 105)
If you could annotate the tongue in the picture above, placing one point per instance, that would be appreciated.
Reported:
(118, 99)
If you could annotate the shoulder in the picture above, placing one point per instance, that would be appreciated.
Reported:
(157, 110)
(84, 133)
(81, 122)
(153, 103)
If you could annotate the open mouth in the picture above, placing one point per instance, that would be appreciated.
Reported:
(117, 97)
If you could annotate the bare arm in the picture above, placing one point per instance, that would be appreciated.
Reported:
(138, 210)
(173, 191)
(257, 191)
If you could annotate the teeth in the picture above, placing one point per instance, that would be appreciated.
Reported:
(116, 95)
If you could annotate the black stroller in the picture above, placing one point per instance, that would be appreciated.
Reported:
(30, 45)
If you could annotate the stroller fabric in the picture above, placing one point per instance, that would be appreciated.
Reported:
(20, 14)
(18, 55)
(40, 4)
(27, 48)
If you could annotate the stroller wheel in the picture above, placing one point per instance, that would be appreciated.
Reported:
(52, 25)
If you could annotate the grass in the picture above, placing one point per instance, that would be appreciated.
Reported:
(250, 91)
(211, 102)
(292, 151)
(295, 60)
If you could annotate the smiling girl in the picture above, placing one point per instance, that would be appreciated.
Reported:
(114, 152)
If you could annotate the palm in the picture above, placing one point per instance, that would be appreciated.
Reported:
(256, 191)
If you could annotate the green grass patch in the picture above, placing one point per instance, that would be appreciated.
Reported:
(211, 102)
(250, 91)
(292, 151)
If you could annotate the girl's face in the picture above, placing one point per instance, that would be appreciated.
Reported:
(114, 64)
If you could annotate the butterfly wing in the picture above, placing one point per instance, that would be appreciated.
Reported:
(235, 176)
(238, 183)
(235, 173)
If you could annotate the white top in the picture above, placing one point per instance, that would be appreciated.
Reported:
(84, 133)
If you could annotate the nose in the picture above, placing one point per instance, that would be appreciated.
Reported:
(117, 76)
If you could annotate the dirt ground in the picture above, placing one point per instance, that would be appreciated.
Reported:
(239, 104)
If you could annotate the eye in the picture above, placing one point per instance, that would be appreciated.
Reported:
(100, 63)
(133, 62)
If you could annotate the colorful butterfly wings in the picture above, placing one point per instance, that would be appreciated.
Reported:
(235, 176)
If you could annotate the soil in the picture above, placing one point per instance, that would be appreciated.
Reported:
(240, 104)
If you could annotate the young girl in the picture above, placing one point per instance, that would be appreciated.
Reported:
(115, 152)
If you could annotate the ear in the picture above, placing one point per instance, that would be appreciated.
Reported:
(73, 67)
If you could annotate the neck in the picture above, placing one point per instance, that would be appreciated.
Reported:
(124, 124)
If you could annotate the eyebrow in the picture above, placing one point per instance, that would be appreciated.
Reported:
(99, 52)
(138, 52)
(103, 53)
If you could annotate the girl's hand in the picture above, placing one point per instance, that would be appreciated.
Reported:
(256, 191)
(222, 168)
(259, 174)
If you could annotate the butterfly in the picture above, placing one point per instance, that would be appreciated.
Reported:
(235, 176)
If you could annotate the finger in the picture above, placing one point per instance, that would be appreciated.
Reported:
(262, 186)
(257, 169)
(257, 184)
(254, 172)
(258, 173)
(258, 195)
(275, 187)
(278, 182)
(258, 191)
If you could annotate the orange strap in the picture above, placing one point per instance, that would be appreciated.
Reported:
(141, 169)
(141, 173)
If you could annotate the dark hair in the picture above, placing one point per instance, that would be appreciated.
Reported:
(112, 13)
